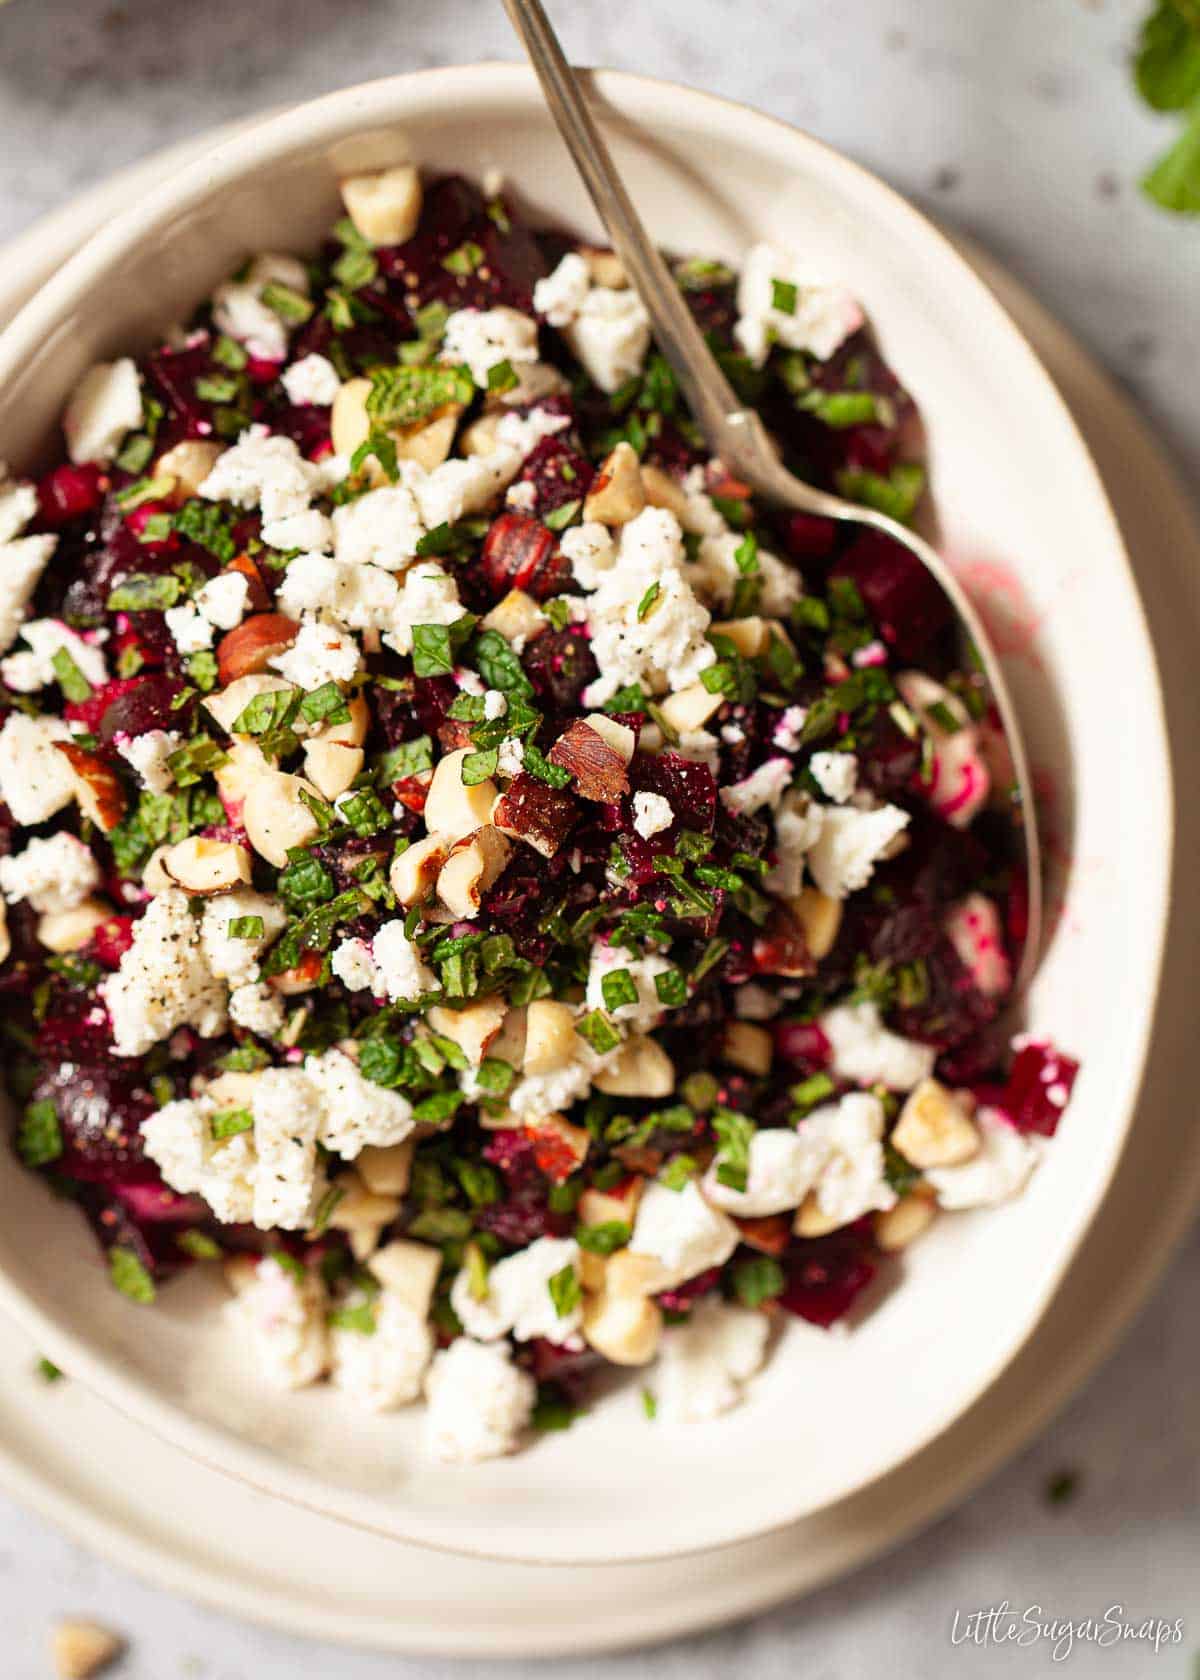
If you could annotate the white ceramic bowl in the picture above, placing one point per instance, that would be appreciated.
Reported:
(1020, 509)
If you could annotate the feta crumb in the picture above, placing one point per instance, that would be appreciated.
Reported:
(797, 825)
(714, 572)
(665, 644)
(483, 338)
(589, 548)
(866, 1052)
(163, 981)
(288, 1114)
(957, 782)
(764, 786)
(239, 311)
(703, 1363)
(18, 504)
(822, 318)
(561, 295)
(189, 628)
(256, 1007)
(355, 597)
(495, 704)
(429, 596)
(313, 382)
(512, 756)
(178, 1139)
(783, 1167)
(850, 843)
(648, 1008)
(651, 814)
(148, 755)
(22, 563)
(321, 653)
(44, 637)
(267, 472)
(223, 599)
(381, 528)
(50, 875)
(358, 1112)
(835, 773)
(309, 530)
(236, 960)
(680, 1229)
(1001, 1169)
(103, 407)
(973, 928)
(386, 1368)
(851, 1181)
(518, 1299)
(480, 1403)
(356, 968)
(36, 781)
(786, 733)
(460, 487)
(284, 1315)
(522, 497)
(403, 973)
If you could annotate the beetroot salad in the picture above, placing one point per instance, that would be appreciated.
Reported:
(512, 900)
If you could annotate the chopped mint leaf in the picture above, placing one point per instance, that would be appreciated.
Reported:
(144, 592)
(784, 296)
(734, 1133)
(560, 517)
(39, 1136)
(465, 259)
(71, 679)
(290, 305)
(603, 1239)
(402, 396)
(758, 1280)
(618, 988)
(565, 1291)
(230, 1122)
(244, 927)
(130, 1276)
(647, 602)
(199, 1245)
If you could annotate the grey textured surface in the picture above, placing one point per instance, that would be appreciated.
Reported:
(1017, 124)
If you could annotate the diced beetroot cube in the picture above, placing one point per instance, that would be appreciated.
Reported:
(801, 1042)
(157, 1204)
(809, 537)
(687, 786)
(560, 666)
(138, 520)
(68, 492)
(511, 1149)
(1039, 1088)
(260, 371)
(90, 711)
(558, 472)
(826, 1275)
(519, 553)
(111, 940)
(551, 1362)
(685, 1295)
(522, 1217)
(100, 1106)
(135, 705)
(902, 598)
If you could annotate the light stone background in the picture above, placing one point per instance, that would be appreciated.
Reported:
(1015, 122)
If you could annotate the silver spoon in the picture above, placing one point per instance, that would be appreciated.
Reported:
(737, 434)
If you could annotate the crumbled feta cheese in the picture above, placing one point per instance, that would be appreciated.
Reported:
(284, 1315)
(267, 472)
(647, 1011)
(703, 1363)
(850, 843)
(523, 432)
(680, 1229)
(148, 755)
(256, 1007)
(355, 597)
(313, 381)
(537, 1095)
(866, 1052)
(386, 1368)
(561, 295)
(321, 653)
(381, 528)
(512, 756)
(1001, 1169)
(733, 734)
(403, 973)
(714, 573)
(239, 311)
(701, 747)
(518, 1299)
(764, 786)
(522, 497)
(665, 645)
(236, 960)
(651, 814)
(50, 875)
(164, 980)
(835, 773)
(22, 563)
(589, 548)
(356, 968)
(18, 504)
(357, 1111)
(821, 317)
(480, 1403)
(189, 628)
(104, 406)
(851, 1181)
(44, 637)
(223, 599)
(310, 530)
(288, 1115)
(429, 596)
(797, 825)
(495, 704)
(35, 779)
(783, 1167)
(459, 487)
(179, 1140)
(483, 338)
(786, 733)
(973, 928)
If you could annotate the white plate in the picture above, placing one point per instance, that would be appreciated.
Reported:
(1023, 514)
(171, 1520)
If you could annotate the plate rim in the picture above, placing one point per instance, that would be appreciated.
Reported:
(221, 1448)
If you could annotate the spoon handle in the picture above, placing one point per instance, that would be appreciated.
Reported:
(709, 394)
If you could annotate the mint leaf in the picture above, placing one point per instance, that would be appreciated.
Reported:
(1174, 181)
(130, 1276)
(400, 396)
(1167, 65)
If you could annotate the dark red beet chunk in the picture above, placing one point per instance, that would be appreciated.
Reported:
(687, 1294)
(137, 706)
(1038, 1089)
(901, 596)
(520, 553)
(826, 1275)
(688, 786)
(560, 666)
(559, 474)
(68, 492)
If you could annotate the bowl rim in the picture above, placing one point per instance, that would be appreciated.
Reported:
(634, 98)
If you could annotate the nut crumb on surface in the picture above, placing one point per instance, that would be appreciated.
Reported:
(81, 1649)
